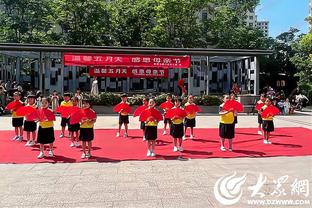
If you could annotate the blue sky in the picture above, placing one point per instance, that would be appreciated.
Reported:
(284, 14)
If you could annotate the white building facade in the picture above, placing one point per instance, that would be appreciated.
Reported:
(207, 75)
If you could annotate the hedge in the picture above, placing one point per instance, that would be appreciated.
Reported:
(111, 99)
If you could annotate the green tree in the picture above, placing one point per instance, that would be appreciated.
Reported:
(83, 22)
(176, 24)
(226, 26)
(302, 59)
(131, 21)
(26, 21)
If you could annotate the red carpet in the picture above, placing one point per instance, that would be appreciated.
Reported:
(106, 147)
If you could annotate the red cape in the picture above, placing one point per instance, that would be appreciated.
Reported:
(122, 106)
(139, 110)
(151, 112)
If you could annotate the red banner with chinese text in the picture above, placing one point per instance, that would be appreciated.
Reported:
(123, 72)
(72, 59)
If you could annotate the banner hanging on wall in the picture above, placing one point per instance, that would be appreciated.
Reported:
(150, 61)
(133, 72)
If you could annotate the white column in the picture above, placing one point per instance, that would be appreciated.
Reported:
(128, 84)
(40, 72)
(62, 74)
(257, 73)
(207, 76)
(74, 72)
(18, 69)
(189, 83)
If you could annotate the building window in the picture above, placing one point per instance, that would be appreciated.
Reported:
(214, 77)
(250, 24)
(251, 17)
(204, 16)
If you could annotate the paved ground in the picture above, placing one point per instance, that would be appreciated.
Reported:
(173, 183)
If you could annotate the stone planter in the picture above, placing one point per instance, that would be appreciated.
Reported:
(100, 109)
(248, 101)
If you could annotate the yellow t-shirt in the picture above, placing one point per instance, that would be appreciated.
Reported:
(227, 118)
(68, 103)
(177, 121)
(270, 118)
(15, 116)
(151, 123)
(190, 115)
(87, 124)
(46, 124)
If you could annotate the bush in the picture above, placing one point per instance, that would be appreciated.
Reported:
(111, 99)
(306, 89)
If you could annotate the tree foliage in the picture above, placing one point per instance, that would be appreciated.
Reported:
(159, 23)
(302, 59)
(26, 21)
(82, 22)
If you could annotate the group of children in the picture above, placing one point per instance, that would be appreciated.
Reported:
(178, 121)
(175, 117)
(82, 130)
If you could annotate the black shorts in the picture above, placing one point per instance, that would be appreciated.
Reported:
(189, 122)
(30, 126)
(73, 127)
(267, 125)
(167, 120)
(17, 122)
(142, 125)
(45, 135)
(177, 130)
(86, 134)
(227, 131)
(123, 119)
(64, 122)
(235, 119)
(150, 132)
(259, 119)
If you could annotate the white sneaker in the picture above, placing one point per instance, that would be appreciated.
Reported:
(266, 142)
(77, 144)
(19, 139)
(144, 139)
(51, 154)
(175, 149)
(260, 132)
(41, 155)
(62, 135)
(125, 135)
(27, 143)
(83, 156)
(222, 149)
(32, 143)
(152, 154)
(183, 138)
(72, 144)
(165, 132)
(148, 154)
(230, 149)
(180, 149)
(88, 155)
(117, 134)
(191, 137)
(15, 138)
